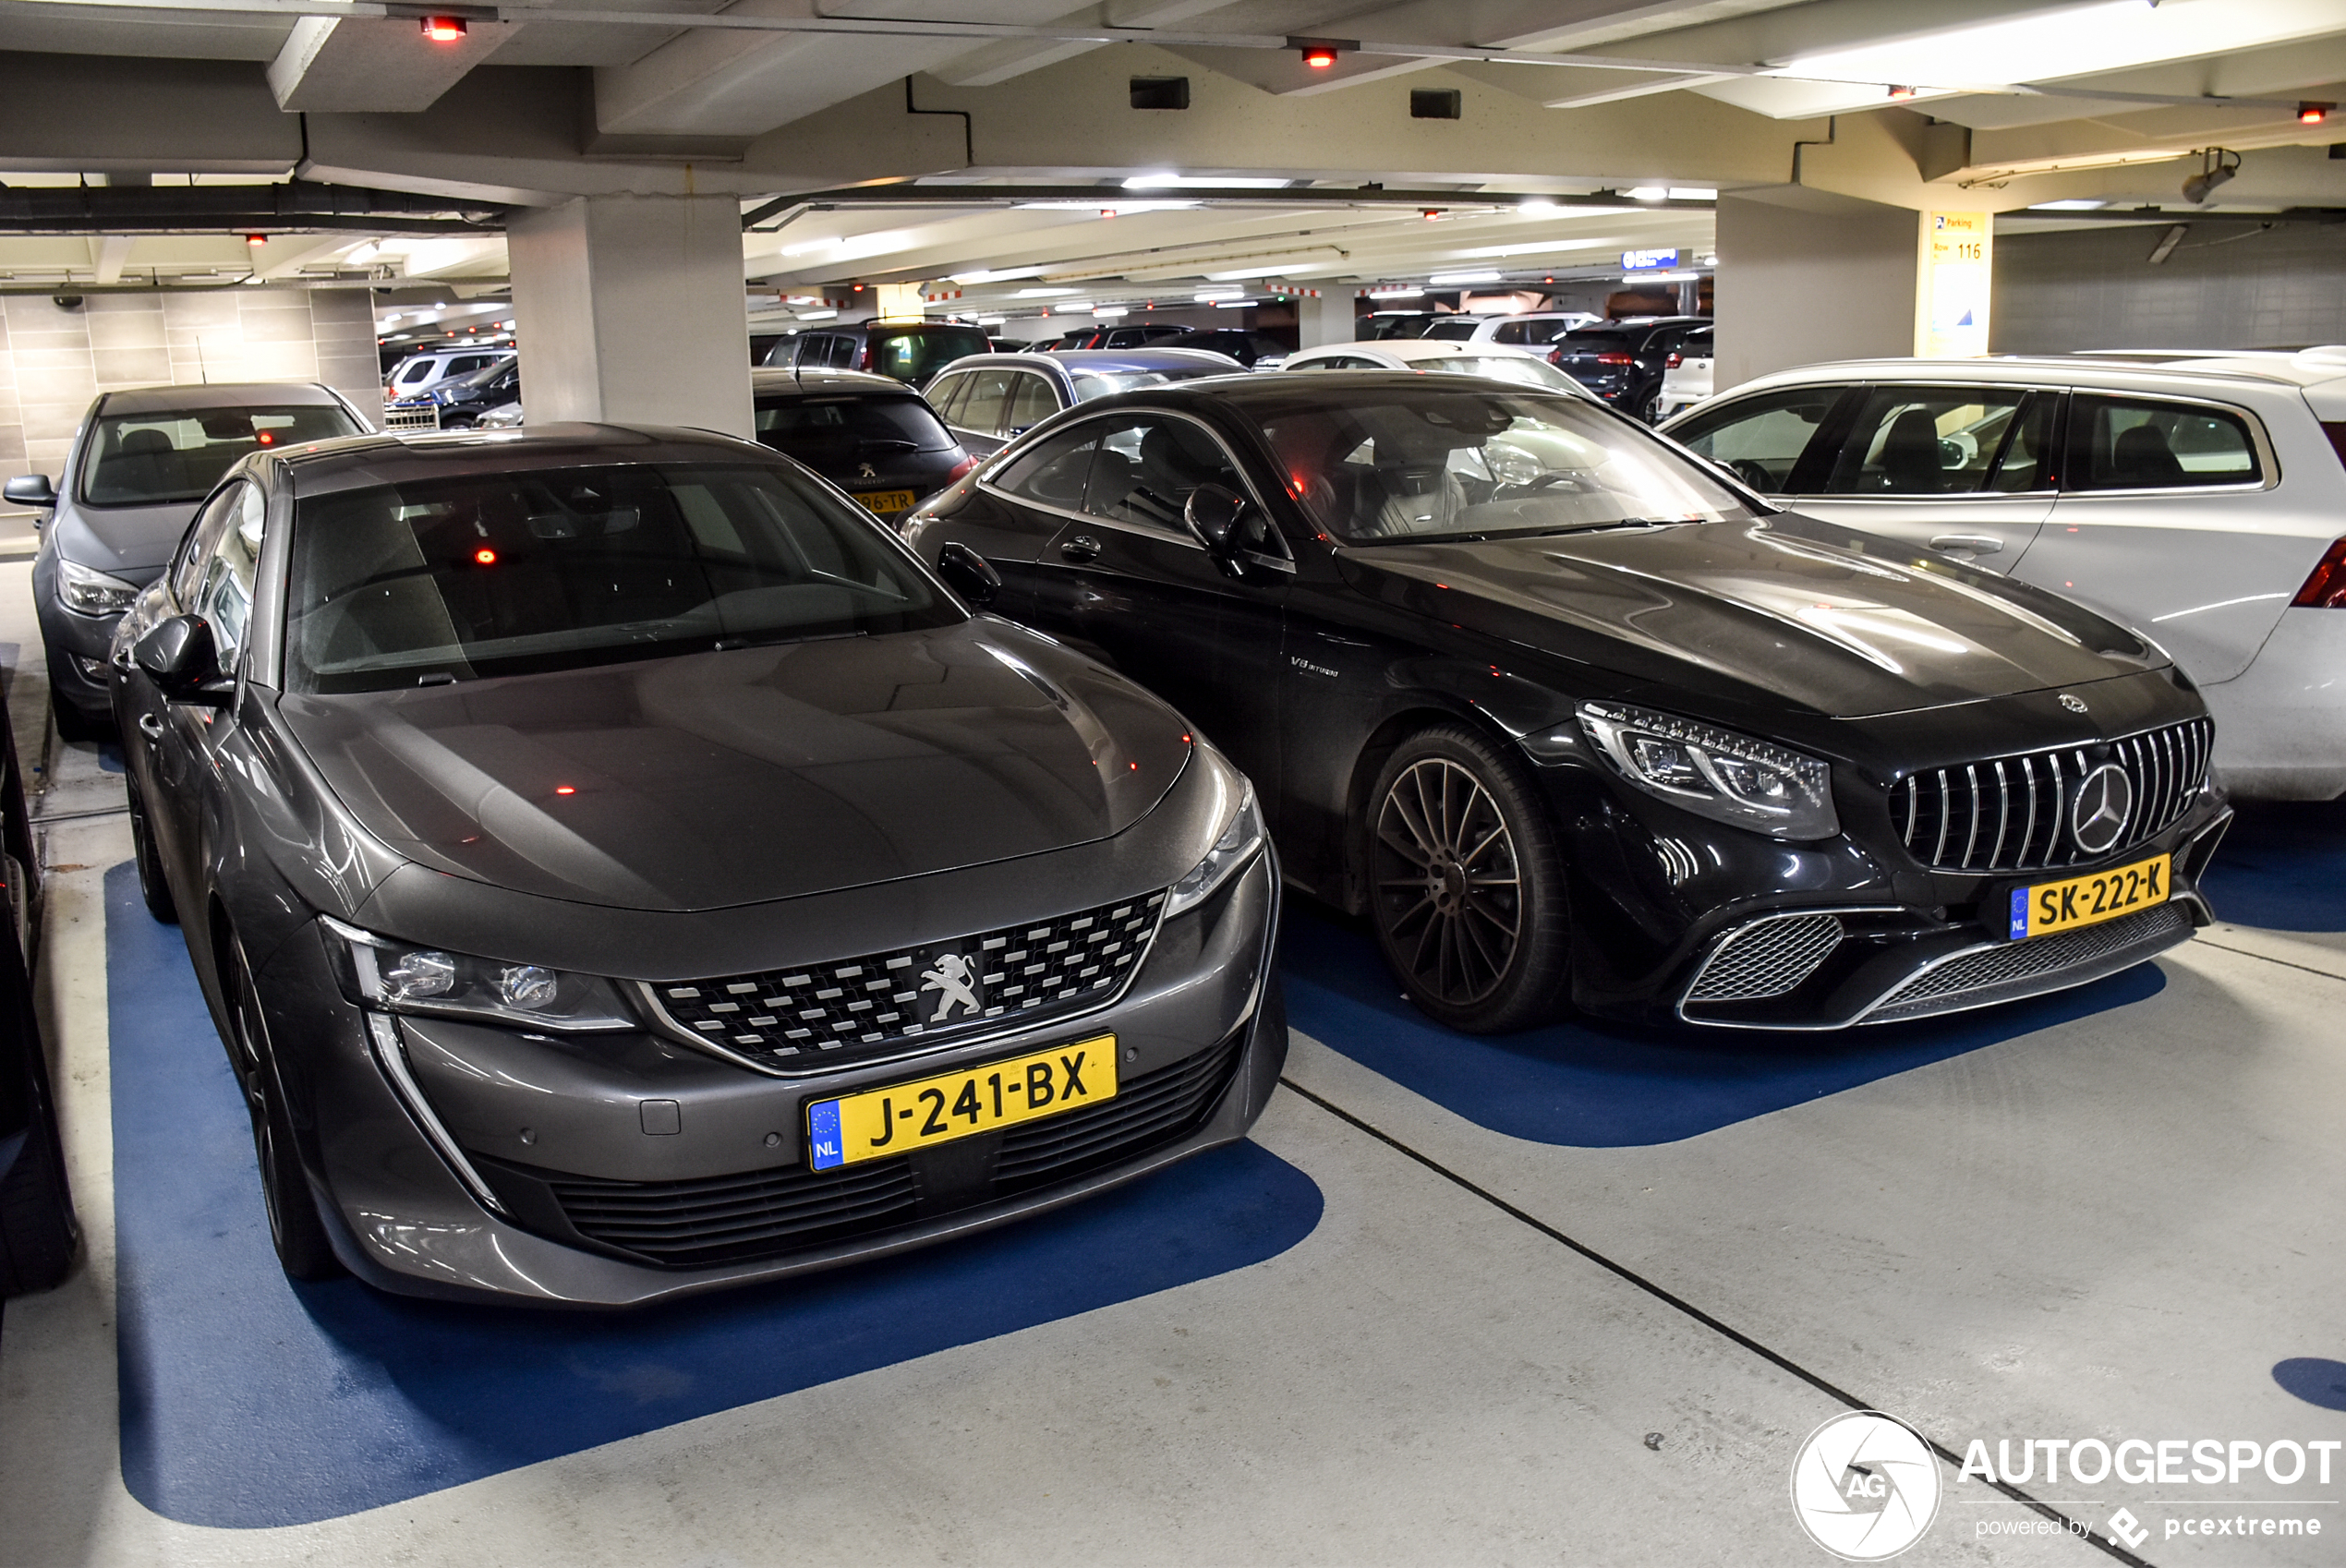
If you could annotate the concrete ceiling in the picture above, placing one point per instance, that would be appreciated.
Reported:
(1999, 104)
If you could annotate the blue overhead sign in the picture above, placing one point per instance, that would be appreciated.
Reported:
(1648, 260)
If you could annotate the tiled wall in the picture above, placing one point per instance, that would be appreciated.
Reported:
(55, 360)
(2284, 287)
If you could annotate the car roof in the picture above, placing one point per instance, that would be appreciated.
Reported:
(767, 381)
(218, 394)
(1423, 348)
(2122, 372)
(1244, 388)
(395, 457)
(1110, 361)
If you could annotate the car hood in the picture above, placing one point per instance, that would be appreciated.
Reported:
(1822, 617)
(131, 542)
(714, 780)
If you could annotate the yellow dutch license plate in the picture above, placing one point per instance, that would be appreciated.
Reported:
(882, 503)
(2085, 901)
(929, 1111)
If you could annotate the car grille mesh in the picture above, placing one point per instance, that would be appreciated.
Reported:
(2013, 963)
(2011, 813)
(853, 1009)
(1767, 958)
(752, 1214)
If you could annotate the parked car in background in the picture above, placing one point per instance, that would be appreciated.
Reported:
(1007, 346)
(986, 402)
(872, 436)
(1565, 713)
(910, 351)
(1379, 325)
(506, 416)
(37, 1232)
(1439, 357)
(457, 404)
(1623, 362)
(1686, 373)
(1104, 336)
(421, 372)
(613, 857)
(1539, 327)
(1256, 350)
(2201, 501)
(138, 464)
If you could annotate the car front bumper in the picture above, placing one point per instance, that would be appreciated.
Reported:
(464, 1161)
(78, 646)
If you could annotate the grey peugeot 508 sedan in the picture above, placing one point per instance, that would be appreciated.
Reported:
(618, 868)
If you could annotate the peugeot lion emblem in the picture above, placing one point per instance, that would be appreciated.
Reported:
(2098, 817)
(955, 982)
(2074, 704)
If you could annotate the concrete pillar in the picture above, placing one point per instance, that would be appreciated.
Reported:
(630, 309)
(1326, 319)
(1806, 275)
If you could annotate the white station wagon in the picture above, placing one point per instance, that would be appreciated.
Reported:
(2198, 498)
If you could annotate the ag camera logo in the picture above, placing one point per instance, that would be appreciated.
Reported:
(1865, 1487)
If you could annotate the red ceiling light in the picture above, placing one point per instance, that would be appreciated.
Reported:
(485, 556)
(1896, 91)
(256, 239)
(444, 30)
(2314, 114)
(1318, 56)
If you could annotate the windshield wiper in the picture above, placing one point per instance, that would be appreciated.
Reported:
(767, 639)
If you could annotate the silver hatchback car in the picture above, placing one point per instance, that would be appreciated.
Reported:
(139, 465)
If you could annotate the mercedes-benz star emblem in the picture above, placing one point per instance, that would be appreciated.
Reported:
(2074, 704)
(2097, 815)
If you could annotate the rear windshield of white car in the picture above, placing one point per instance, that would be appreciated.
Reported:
(1458, 462)
(179, 454)
(451, 579)
(1520, 369)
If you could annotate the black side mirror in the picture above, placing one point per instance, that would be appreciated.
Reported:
(183, 660)
(1213, 514)
(30, 489)
(969, 575)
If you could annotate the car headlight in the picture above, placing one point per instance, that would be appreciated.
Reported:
(1240, 837)
(403, 977)
(93, 592)
(1736, 779)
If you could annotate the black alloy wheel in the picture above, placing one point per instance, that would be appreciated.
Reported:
(151, 885)
(298, 1235)
(1465, 884)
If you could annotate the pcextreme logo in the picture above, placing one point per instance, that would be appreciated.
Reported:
(1864, 1486)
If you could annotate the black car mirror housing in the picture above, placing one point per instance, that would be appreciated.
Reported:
(1213, 514)
(183, 659)
(969, 575)
(30, 489)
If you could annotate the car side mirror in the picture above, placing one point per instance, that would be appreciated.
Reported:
(969, 575)
(182, 659)
(1213, 514)
(30, 489)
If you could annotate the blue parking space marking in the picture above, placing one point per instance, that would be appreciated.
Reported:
(248, 1401)
(1595, 1086)
(2282, 867)
(2316, 1379)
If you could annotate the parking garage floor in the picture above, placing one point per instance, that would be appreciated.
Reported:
(1576, 1296)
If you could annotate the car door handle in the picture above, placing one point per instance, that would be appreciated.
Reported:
(151, 727)
(1080, 548)
(1977, 544)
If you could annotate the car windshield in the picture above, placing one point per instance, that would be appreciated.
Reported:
(825, 431)
(487, 575)
(1586, 341)
(1520, 369)
(1390, 466)
(912, 354)
(175, 454)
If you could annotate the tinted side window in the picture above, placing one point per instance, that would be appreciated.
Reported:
(203, 536)
(1925, 441)
(945, 391)
(223, 593)
(1052, 472)
(2124, 444)
(1147, 467)
(981, 408)
(1762, 438)
(1032, 401)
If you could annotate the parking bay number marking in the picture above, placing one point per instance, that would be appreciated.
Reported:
(903, 1116)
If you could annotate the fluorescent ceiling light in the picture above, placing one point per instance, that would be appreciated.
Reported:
(1692, 193)
(1208, 295)
(1041, 292)
(817, 315)
(1395, 292)
(1536, 248)
(1648, 193)
(992, 320)
(1537, 207)
(1118, 207)
(1069, 306)
(1230, 304)
(2082, 40)
(1454, 279)
(1658, 277)
(984, 275)
(1177, 182)
(2074, 204)
(1110, 312)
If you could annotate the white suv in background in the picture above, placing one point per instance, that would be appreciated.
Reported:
(1686, 375)
(1534, 330)
(2200, 499)
(421, 372)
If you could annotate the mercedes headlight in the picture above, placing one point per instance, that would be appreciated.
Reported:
(1240, 837)
(402, 977)
(1736, 779)
(93, 592)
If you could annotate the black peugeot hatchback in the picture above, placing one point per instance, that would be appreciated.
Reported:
(1570, 715)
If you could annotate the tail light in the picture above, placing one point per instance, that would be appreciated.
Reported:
(1617, 359)
(864, 360)
(1555, 355)
(2326, 585)
(963, 467)
(1675, 361)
